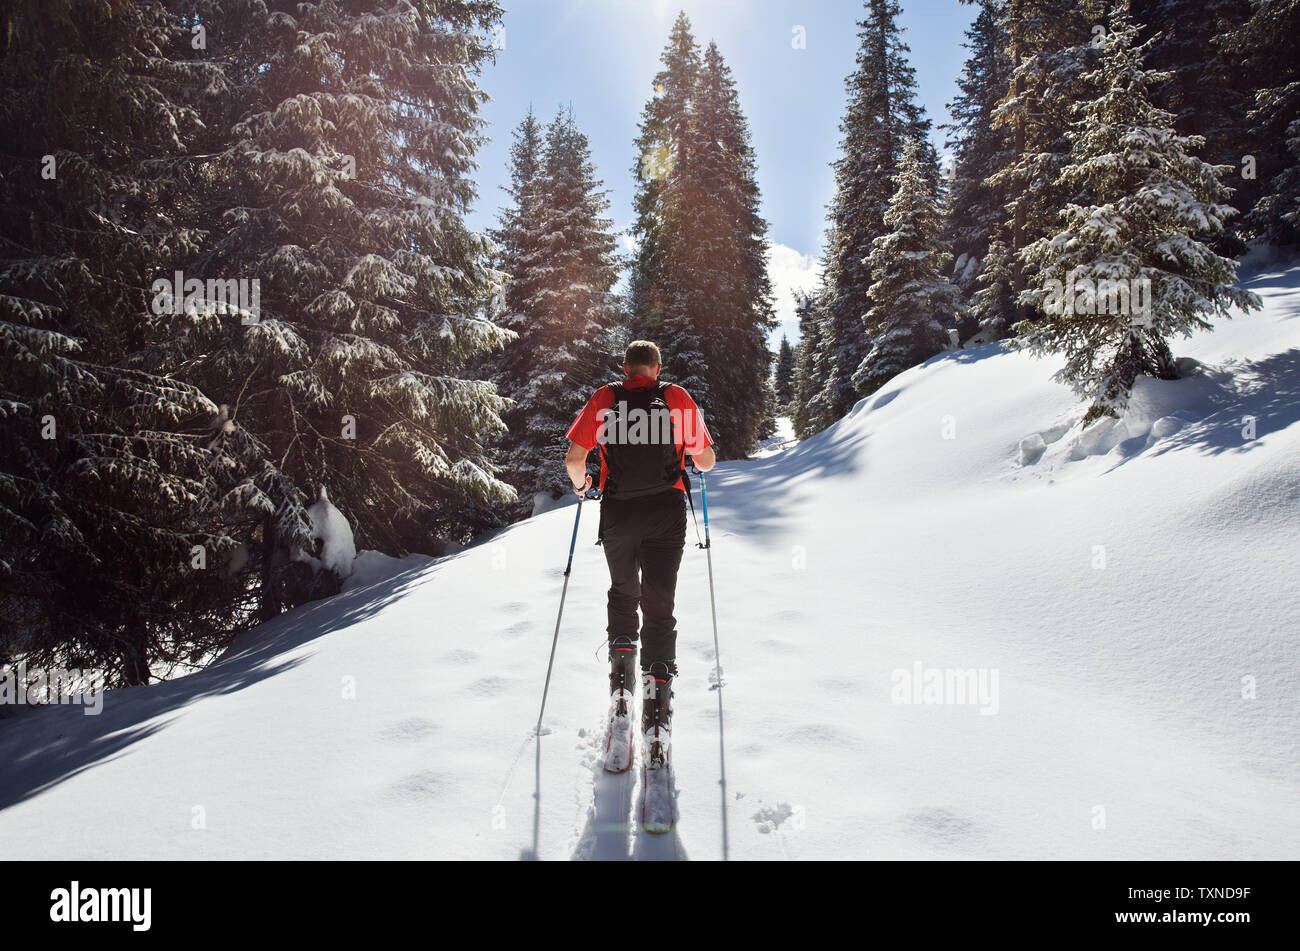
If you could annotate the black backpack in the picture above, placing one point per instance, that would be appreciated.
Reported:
(638, 443)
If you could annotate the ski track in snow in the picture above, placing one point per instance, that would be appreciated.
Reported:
(927, 528)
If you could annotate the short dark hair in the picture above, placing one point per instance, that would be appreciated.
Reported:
(642, 353)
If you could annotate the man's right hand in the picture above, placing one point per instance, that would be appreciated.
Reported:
(581, 491)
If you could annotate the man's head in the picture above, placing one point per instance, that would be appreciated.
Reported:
(642, 357)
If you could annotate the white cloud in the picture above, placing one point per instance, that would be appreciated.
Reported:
(790, 271)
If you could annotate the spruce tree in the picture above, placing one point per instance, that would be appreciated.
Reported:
(911, 299)
(811, 413)
(1051, 45)
(1210, 92)
(727, 264)
(115, 496)
(559, 250)
(976, 207)
(1147, 200)
(699, 285)
(1268, 44)
(663, 147)
(994, 302)
(340, 173)
(784, 380)
(518, 236)
(882, 114)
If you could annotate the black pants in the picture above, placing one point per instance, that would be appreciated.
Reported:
(643, 540)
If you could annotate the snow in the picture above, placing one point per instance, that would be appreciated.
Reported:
(543, 503)
(779, 441)
(373, 567)
(1122, 623)
(337, 550)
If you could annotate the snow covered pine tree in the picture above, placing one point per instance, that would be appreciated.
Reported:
(699, 283)
(343, 141)
(910, 295)
(559, 252)
(116, 543)
(1127, 272)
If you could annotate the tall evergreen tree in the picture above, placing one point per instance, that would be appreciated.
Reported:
(1051, 45)
(664, 145)
(910, 295)
(517, 236)
(559, 250)
(784, 380)
(727, 246)
(1147, 200)
(699, 285)
(882, 114)
(344, 140)
(1268, 44)
(811, 412)
(114, 497)
(977, 208)
(1184, 41)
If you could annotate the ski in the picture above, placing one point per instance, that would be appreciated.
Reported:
(618, 736)
(657, 799)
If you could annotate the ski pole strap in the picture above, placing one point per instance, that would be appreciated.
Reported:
(686, 481)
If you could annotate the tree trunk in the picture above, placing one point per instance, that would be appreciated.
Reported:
(270, 600)
(1018, 226)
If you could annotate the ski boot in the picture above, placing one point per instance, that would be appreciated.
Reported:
(622, 680)
(657, 713)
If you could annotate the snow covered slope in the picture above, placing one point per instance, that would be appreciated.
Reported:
(1127, 602)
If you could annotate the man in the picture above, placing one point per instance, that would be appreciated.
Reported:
(644, 429)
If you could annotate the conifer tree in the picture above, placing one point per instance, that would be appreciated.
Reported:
(115, 499)
(340, 173)
(559, 251)
(1210, 91)
(518, 236)
(727, 245)
(699, 285)
(1051, 45)
(784, 380)
(911, 299)
(1268, 44)
(663, 147)
(1147, 200)
(882, 114)
(811, 412)
(977, 208)
(994, 302)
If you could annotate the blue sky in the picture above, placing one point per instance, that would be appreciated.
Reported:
(600, 56)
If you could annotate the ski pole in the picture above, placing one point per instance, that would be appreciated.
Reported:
(573, 543)
(717, 664)
(708, 552)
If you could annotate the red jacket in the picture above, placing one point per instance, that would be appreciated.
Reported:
(693, 437)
